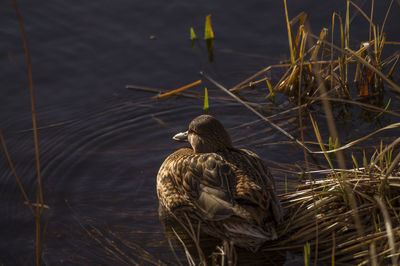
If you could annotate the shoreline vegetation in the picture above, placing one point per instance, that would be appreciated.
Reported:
(351, 216)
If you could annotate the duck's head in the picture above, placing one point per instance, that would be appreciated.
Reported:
(206, 134)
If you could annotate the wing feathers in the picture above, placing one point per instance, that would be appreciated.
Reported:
(220, 184)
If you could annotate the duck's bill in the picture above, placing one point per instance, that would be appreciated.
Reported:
(181, 137)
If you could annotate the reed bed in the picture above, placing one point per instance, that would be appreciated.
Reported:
(320, 220)
(351, 216)
(320, 66)
(319, 214)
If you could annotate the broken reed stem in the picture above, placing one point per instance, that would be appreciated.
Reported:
(262, 71)
(167, 94)
(160, 91)
(39, 194)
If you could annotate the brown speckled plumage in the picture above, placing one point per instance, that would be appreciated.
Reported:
(229, 190)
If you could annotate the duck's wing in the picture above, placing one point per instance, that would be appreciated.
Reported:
(254, 184)
(202, 181)
(169, 178)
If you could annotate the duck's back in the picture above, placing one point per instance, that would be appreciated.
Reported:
(219, 185)
(254, 184)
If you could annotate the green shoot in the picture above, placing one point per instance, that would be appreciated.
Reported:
(365, 162)
(192, 34)
(388, 158)
(354, 161)
(321, 144)
(286, 185)
(307, 253)
(206, 107)
(208, 32)
(386, 107)
(330, 145)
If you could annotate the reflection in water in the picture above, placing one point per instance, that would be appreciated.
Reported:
(210, 47)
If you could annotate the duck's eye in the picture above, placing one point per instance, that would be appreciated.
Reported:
(191, 131)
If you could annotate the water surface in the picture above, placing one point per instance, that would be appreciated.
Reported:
(101, 145)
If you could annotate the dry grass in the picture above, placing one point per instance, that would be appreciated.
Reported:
(351, 216)
(323, 67)
(40, 206)
(320, 220)
(319, 213)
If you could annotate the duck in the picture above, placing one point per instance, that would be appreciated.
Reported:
(229, 191)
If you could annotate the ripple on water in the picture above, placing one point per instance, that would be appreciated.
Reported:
(99, 172)
(104, 163)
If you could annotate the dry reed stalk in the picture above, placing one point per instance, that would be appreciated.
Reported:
(289, 34)
(324, 204)
(159, 91)
(173, 92)
(39, 194)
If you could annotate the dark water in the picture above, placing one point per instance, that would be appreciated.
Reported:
(101, 144)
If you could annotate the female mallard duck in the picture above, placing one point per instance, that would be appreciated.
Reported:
(230, 191)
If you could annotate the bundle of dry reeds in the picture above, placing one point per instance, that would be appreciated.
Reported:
(320, 213)
(324, 66)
